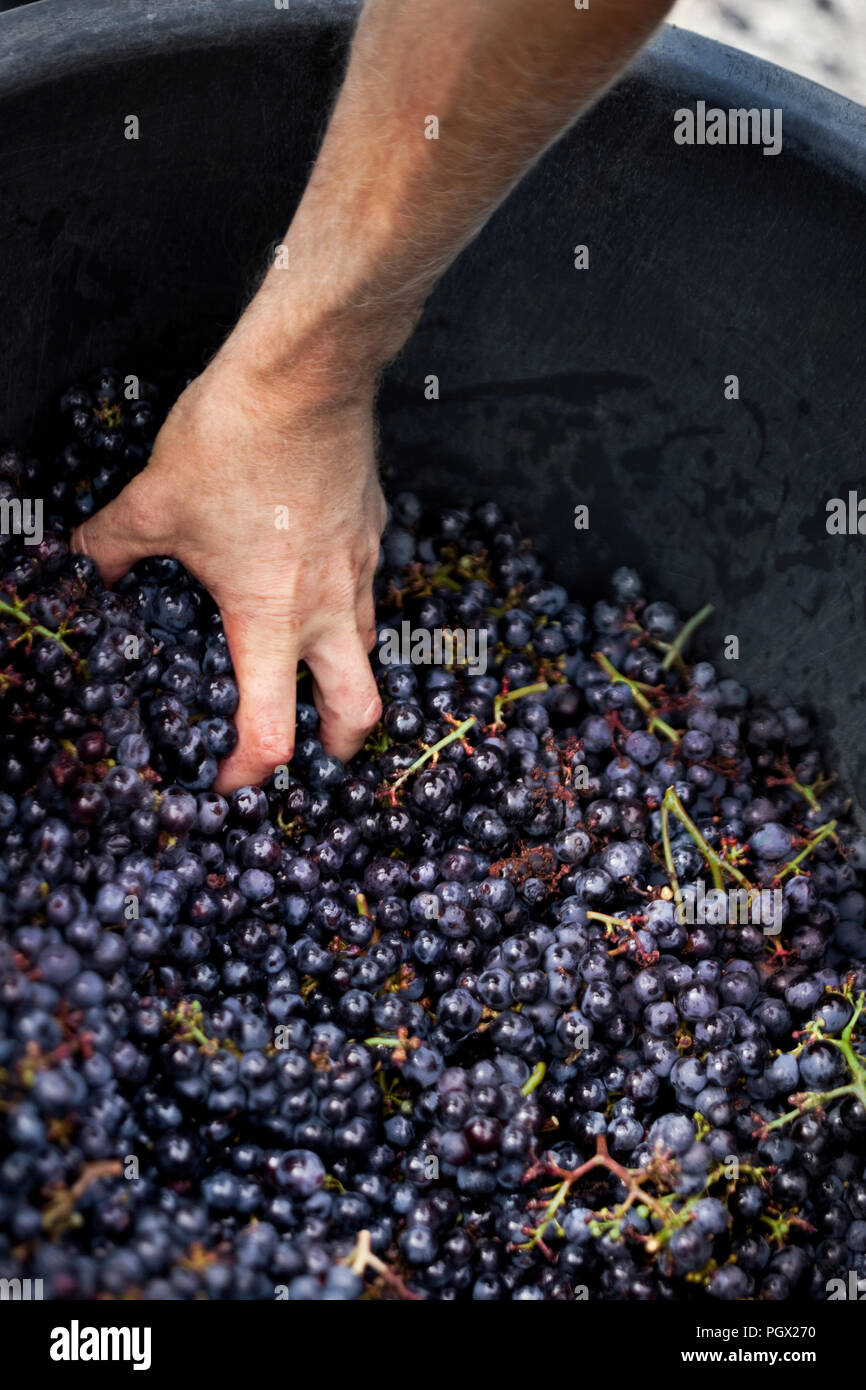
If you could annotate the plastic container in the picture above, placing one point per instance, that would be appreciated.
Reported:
(557, 386)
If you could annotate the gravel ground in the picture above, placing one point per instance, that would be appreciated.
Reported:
(825, 40)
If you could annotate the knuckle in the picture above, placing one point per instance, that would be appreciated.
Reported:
(273, 744)
(78, 540)
(373, 711)
(337, 591)
(352, 718)
(337, 617)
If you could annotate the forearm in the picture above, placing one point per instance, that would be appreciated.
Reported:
(282, 417)
(386, 209)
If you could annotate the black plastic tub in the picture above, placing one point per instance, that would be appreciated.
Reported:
(557, 386)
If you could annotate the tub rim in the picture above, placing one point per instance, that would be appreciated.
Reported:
(45, 40)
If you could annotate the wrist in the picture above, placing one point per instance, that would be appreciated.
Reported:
(320, 327)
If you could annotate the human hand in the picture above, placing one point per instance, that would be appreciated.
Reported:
(271, 499)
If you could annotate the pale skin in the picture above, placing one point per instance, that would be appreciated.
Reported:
(283, 416)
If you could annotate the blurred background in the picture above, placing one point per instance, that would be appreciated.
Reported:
(824, 40)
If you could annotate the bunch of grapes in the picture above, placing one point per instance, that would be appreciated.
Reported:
(460, 1019)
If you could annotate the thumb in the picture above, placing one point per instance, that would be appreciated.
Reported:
(265, 658)
(121, 533)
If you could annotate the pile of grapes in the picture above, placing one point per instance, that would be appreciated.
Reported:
(468, 1018)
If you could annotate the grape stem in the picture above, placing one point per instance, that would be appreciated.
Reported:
(600, 1159)
(668, 1210)
(534, 1079)
(674, 651)
(810, 845)
(19, 613)
(655, 722)
(459, 733)
(804, 1101)
(622, 930)
(504, 698)
(362, 1258)
(432, 751)
(671, 804)
(60, 1209)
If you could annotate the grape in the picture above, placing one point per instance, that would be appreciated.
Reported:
(369, 1018)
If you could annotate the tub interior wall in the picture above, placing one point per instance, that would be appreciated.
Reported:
(556, 386)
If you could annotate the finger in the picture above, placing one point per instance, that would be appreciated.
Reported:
(121, 533)
(344, 691)
(265, 658)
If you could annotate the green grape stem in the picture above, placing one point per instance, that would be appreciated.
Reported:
(534, 1079)
(675, 650)
(811, 845)
(671, 805)
(655, 722)
(432, 751)
(804, 1101)
(19, 613)
(505, 698)
(459, 732)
